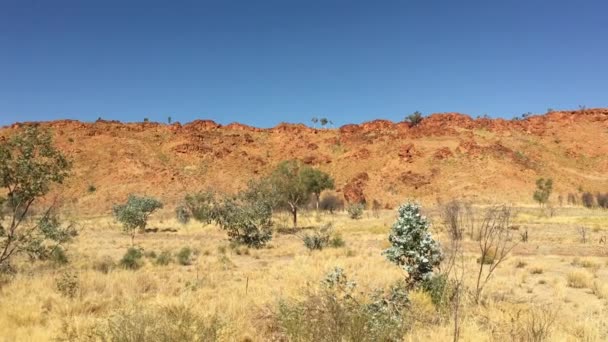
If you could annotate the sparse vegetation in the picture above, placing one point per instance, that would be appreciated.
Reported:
(29, 166)
(355, 210)
(414, 119)
(135, 213)
(544, 187)
(133, 259)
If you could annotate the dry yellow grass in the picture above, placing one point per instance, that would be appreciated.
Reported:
(240, 285)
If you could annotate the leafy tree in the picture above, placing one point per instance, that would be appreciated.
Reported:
(169, 120)
(323, 121)
(316, 181)
(414, 119)
(29, 166)
(413, 247)
(544, 187)
(314, 120)
(293, 183)
(135, 213)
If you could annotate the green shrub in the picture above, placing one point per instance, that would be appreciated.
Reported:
(158, 324)
(321, 238)
(335, 314)
(164, 258)
(91, 188)
(58, 256)
(337, 241)
(184, 256)
(135, 212)
(132, 259)
(414, 119)
(355, 211)
(440, 289)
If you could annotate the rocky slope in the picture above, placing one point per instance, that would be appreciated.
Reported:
(447, 155)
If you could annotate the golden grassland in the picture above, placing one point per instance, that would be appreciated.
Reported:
(554, 273)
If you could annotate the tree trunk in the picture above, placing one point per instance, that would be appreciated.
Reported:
(318, 196)
(294, 211)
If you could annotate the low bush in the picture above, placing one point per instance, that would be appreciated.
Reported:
(322, 237)
(182, 214)
(355, 211)
(58, 256)
(331, 203)
(133, 259)
(164, 258)
(67, 284)
(335, 314)
(184, 256)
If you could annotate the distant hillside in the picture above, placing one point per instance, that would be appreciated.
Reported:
(447, 155)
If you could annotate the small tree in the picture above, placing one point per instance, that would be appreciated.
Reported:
(413, 247)
(323, 121)
(544, 187)
(291, 189)
(135, 213)
(169, 120)
(316, 181)
(414, 119)
(29, 166)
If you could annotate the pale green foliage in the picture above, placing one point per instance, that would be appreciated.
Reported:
(29, 166)
(182, 214)
(544, 187)
(338, 313)
(291, 189)
(413, 247)
(246, 217)
(134, 214)
(355, 210)
(316, 181)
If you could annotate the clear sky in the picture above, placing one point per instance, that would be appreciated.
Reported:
(263, 62)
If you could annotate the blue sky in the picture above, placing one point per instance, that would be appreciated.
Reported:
(264, 62)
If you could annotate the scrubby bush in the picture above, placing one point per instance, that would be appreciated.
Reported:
(246, 216)
(58, 256)
(164, 258)
(337, 241)
(67, 284)
(412, 246)
(91, 188)
(158, 324)
(135, 212)
(133, 259)
(355, 210)
(414, 119)
(184, 256)
(338, 313)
